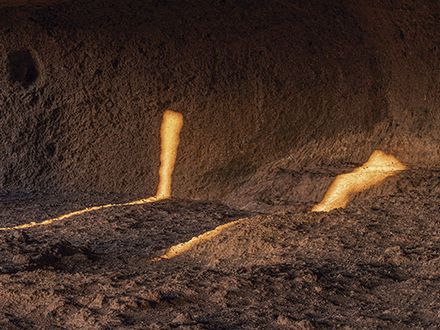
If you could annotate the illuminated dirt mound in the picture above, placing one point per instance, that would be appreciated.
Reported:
(316, 84)
(368, 221)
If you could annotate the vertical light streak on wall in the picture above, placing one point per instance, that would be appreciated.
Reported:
(172, 124)
(378, 167)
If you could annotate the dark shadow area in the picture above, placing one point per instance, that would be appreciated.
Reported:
(22, 68)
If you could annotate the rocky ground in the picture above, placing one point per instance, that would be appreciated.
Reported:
(375, 264)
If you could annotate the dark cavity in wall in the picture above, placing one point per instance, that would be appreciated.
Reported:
(22, 68)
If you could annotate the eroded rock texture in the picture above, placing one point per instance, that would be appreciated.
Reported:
(83, 85)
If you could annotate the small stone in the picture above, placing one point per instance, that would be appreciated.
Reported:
(181, 319)
(97, 302)
(20, 259)
(394, 250)
(286, 322)
(304, 325)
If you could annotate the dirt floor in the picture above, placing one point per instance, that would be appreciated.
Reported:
(375, 264)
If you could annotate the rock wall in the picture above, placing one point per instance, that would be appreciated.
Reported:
(83, 85)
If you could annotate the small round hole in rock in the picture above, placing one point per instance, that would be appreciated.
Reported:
(22, 68)
(50, 149)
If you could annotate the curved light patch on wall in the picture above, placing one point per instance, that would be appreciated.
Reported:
(171, 127)
(378, 167)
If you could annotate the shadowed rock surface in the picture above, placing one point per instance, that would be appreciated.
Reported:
(321, 83)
